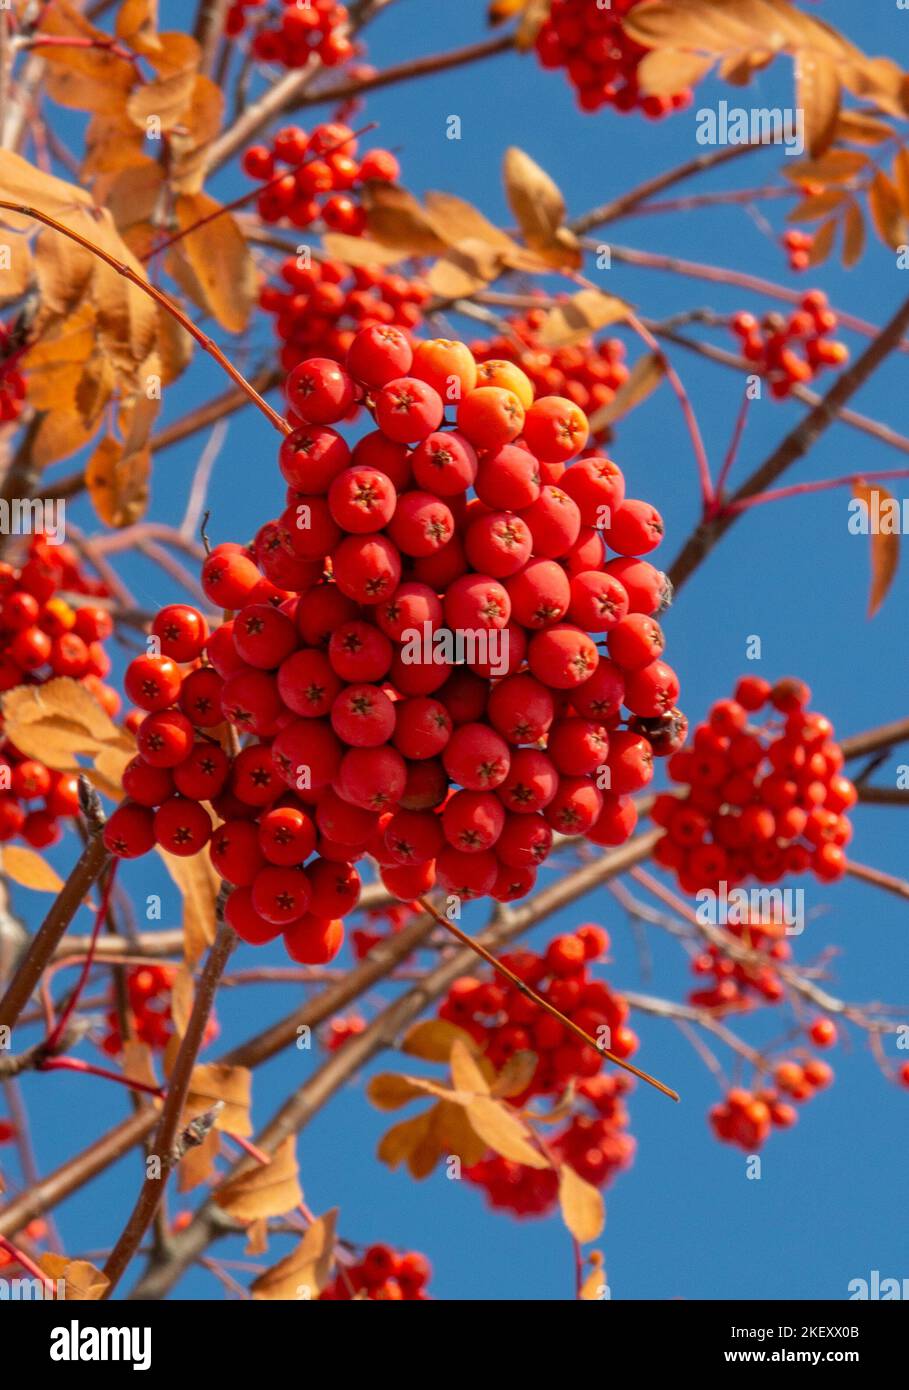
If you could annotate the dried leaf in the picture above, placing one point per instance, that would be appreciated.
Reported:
(389, 1091)
(459, 221)
(133, 194)
(58, 702)
(29, 870)
(127, 316)
(137, 1062)
(433, 1039)
(59, 435)
(137, 25)
(516, 1075)
(360, 251)
(582, 1205)
(162, 103)
(198, 1163)
(178, 51)
(853, 235)
(817, 86)
(665, 71)
(396, 220)
(643, 379)
(84, 79)
(465, 1073)
(110, 146)
(82, 1282)
(404, 1139)
(832, 167)
(117, 486)
(817, 205)
(885, 547)
(886, 211)
(303, 1273)
(174, 346)
(534, 198)
(224, 278)
(15, 266)
(213, 1081)
(256, 1238)
(94, 388)
(575, 319)
(862, 129)
(464, 269)
(535, 15)
(267, 1190)
(199, 884)
(22, 183)
(64, 271)
(822, 245)
(593, 1287)
(901, 177)
(503, 1132)
(182, 998)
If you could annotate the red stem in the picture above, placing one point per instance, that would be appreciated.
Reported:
(733, 452)
(100, 918)
(88, 1069)
(799, 489)
(22, 1259)
(675, 381)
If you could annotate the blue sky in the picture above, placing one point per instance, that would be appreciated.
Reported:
(685, 1221)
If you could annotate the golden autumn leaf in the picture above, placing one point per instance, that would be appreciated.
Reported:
(531, 22)
(853, 235)
(110, 146)
(889, 220)
(503, 1132)
(88, 78)
(271, 1189)
(862, 129)
(161, 105)
(464, 269)
(885, 545)
(21, 182)
(137, 25)
(389, 1091)
(29, 870)
(465, 1071)
(132, 195)
(213, 263)
(516, 1075)
(177, 51)
(538, 205)
(213, 1081)
(432, 1039)
(360, 250)
(16, 266)
(303, 1274)
(404, 1139)
(395, 219)
(575, 319)
(199, 884)
(127, 317)
(594, 1288)
(823, 242)
(256, 1238)
(56, 721)
(817, 205)
(118, 485)
(459, 221)
(643, 379)
(581, 1204)
(901, 177)
(665, 71)
(82, 1282)
(174, 346)
(817, 89)
(832, 167)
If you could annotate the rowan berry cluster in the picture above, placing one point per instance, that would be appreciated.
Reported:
(12, 382)
(504, 1021)
(739, 984)
(326, 303)
(763, 800)
(393, 915)
(377, 733)
(148, 993)
(45, 632)
(381, 1276)
(341, 1030)
(322, 179)
(746, 1118)
(600, 59)
(589, 374)
(594, 1142)
(791, 352)
(797, 245)
(291, 33)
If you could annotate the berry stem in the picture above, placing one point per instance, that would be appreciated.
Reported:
(802, 489)
(100, 917)
(22, 1259)
(160, 298)
(732, 453)
(541, 1003)
(88, 1069)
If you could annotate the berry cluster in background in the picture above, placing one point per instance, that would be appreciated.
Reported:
(362, 735)
(763, 800)
(791, 351)
(149, 1019)
(382, 1275)
(600, 60)
(49, 627)
(290, 34)
(322, 180)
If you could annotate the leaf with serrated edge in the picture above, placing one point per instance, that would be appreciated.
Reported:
(267, 1190)
(582, 1205)
(885, 547)
(62, 697)
(29, 870)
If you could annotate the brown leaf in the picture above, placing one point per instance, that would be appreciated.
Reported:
(360, 250)
(853, 235)
(433, 1038)
(822, 245)
(177, 52)
(22, 183)
(885, 547)
(534, 198)
(593, 1287)
(224, 278)
(199, 884)
(267, 1190)
(582, 1205)
(395, 219)
(389, 1091)
(739, 68)
(133, 194)
(117, 486)
(198, 1163)
(862, 129)
(25, 867)
(901, 177)
(465, 1073)
(685, 24)
(817, 85)
(137, 25)
(464, 269)
(665, 71)
(879, 80)
(82, 1282)
(459, 221)
(86, 78)
(817, 205)
(575, 319)
(643, 379)
(886, 211)
(454, 1134)
(94, 388)
(127, 316)
(403, 1139)
(110, 146)
(64, 271)
(832, 167)
(137, 1062)
(256, 1238)
(199, 125)
(503, 1132)
(516, 1075)
(532, 20)
(15, 266)
(165, 101)
(211, 1082)
(303, 1274)
(175, 348)
(182, 998)
(59, 435)
(62, 702)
